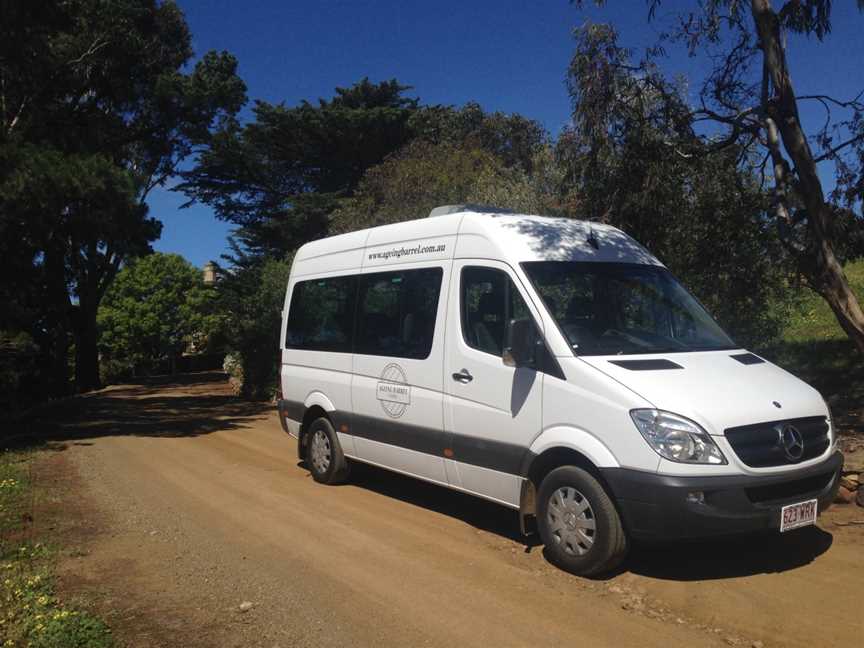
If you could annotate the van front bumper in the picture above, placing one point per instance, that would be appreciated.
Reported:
(657, 507)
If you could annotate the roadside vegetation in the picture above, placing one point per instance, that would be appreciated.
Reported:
(74, 205)
(31, 614)
(157, 308)
(811, 319)
(814, 347)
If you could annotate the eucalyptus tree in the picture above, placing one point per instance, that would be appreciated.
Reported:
(747, 104)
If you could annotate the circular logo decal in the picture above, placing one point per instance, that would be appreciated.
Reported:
(393, 391)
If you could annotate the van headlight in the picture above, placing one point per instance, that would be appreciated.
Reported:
(832, 431)
(676, 438)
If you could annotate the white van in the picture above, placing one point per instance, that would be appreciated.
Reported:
(553, 366)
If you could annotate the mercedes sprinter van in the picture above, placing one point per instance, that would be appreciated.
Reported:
(551, 365)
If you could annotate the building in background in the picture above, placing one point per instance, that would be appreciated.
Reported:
(209, 273)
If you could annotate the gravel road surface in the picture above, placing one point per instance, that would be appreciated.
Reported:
(193, 525)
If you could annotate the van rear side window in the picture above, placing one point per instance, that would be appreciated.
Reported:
(321, 316)
(397, 312)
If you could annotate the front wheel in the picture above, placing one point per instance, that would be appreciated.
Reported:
(578, 523)
(324, 456)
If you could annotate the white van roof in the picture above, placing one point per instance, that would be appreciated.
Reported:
(483, 232)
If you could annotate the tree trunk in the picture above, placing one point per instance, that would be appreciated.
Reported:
(86, 349)
(818, 263)
(57, 324)
(92, 273)
(829, 280)
(58, 363)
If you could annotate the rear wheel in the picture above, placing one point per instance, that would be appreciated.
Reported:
(324, 456)
(578, 523)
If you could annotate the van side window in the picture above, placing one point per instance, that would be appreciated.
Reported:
(321, 315)
(489, 300)
(397, 313)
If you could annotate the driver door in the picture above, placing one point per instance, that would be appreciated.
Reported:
(492, 411)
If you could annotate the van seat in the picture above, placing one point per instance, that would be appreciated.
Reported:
(487, 326)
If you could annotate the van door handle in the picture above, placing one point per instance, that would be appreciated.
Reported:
(463, 376)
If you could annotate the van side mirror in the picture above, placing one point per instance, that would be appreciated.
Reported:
(521, 344)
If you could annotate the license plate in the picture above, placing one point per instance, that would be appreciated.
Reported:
(797, 515)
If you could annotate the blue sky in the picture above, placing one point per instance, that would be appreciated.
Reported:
(506, 54)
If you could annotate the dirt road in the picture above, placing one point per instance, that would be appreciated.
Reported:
(186, 503)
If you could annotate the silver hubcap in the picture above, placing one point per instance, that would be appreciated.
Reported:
(319, 451)
(571, 520)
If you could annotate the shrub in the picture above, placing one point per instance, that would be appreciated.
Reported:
(252, 298)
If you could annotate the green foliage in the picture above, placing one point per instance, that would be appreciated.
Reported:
(413, 181)
(14, 482)
(728, 256)
(19, 375)
(281, 174)
(30, 612)
(409, 183)
(65, 219)
(96, 109)
(157, 307)
(35, 618)
(513, 139)
(252, 296)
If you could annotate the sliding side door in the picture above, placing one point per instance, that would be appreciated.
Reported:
(397, 382)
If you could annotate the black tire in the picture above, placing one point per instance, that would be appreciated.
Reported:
(565, 527)
(324, 456)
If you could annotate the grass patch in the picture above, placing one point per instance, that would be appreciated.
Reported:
(31, 615)
(811, 319)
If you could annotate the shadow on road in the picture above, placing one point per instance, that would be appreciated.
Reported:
(476, 512)
(766, 553)
(691, 561)
(186, 405)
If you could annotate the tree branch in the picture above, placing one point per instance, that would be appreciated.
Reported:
(833, 151)
(852, 103)
(17, 116)
(95, 47)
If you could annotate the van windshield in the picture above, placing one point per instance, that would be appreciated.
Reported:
(624, 308)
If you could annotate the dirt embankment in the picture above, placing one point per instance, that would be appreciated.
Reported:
(186, 505)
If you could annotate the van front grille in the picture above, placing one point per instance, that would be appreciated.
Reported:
(760, 445)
